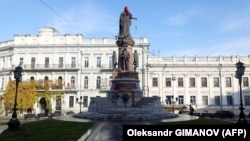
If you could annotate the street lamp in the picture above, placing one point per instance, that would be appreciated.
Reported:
(219, 68)
(14, 123)
(80, 102)
(240, 71)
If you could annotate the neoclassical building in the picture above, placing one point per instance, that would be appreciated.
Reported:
(83, 68)
(208, 82)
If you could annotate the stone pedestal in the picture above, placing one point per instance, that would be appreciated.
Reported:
(125, 90)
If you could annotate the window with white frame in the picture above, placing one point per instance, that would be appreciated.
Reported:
(155, 81)
(204, 100)
(193, 100)
(86, 62)
(203, 82)
(98, 82)
(60, 65)
(33, 62)
(245, 82)
(217, 100)
(228, 82)
(192, 82)
(180, 82)
(168, 82)
(229, 100)
(216, 81)
(98, 62)
(86, 82)
(73, 62)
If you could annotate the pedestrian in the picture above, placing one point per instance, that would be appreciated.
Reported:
(191, 110)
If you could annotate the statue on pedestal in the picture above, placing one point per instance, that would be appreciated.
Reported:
(125, 58)
(136, 60)
(114, 59)
(124, 37)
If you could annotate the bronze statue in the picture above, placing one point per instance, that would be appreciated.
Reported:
(125, 22)
(114, 59)
(125, 58)
(136, 60)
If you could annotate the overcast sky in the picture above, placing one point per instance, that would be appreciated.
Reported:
(174, 27)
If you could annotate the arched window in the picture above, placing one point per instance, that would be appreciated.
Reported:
(46, 82)
(86, 82)
(32, 78)
(98, 82)
(59, 83)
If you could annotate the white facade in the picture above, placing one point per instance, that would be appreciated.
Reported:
(85, 67)
(196, 80)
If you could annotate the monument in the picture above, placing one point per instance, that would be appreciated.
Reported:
(125, 98)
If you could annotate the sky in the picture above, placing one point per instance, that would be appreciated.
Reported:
(173, 27)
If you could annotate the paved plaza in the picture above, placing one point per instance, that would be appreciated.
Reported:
(109, 130)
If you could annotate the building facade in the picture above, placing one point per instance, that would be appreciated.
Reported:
(207, 82)
(83, 67)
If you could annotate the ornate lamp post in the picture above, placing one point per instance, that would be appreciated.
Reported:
(14, 123)
(240, 71)
(80, 102)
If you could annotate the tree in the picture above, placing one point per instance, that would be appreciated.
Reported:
(26, 95)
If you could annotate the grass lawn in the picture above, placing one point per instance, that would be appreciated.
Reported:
(47, 130)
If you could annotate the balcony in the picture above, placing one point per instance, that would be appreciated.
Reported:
(51, 67)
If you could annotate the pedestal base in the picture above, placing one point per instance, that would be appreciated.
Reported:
(13, 124)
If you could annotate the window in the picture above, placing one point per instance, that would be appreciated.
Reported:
(73, 81)
(204, 100)
(245, 82)
(216, 82)
(155, 82)
(110, 62)
(86, 82)
(46, 82)
(181, 99)
(98, 63)
(60, 62)
(33, 62)
(73, 62)
(85, 101)
(180, 82)
(60, 82)
(203, 82)
(71, 101)
(168, 82)
(32, 78)
(193, 100)
(229, 100)
(21, 61)
(247, 100)
(86, 62)
(216, 100)
(110, 80)
(46, 62)
(98, 82)
(192, 82)
(228, 82)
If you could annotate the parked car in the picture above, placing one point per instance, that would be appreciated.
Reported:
(222, 114)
